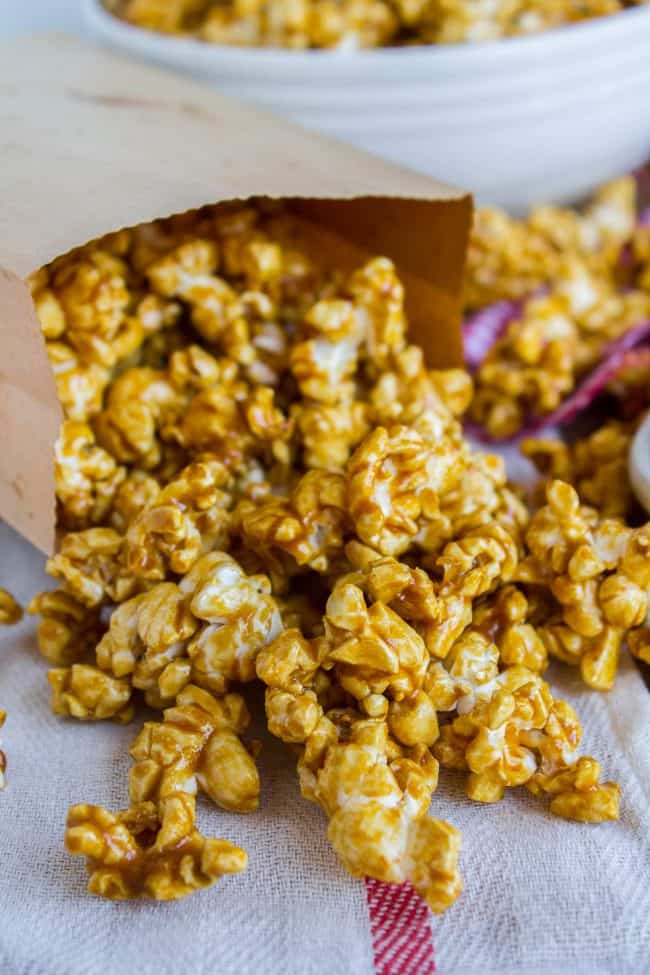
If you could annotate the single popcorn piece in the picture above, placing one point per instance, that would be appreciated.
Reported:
(504, 618)
(86, 477)
(10, 611)
(135, 493)
(374, 651)
(378, 809)
(197, 745)
(88, 694)
(395, 479)
(90, 567)
(184, 520)
(309, 527)
(123, 864)
(80, 386)
(153, 849)
(329, 433)
(68, 630)
(139, 402)
(217, 313)
(91, 287)
(239, 618)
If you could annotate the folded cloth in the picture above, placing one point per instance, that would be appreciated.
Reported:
(542, 896)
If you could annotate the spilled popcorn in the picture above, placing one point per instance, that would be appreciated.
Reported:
(259, 479)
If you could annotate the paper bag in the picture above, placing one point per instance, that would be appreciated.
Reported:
(92, 143)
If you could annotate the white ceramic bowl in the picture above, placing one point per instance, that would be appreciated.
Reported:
(519, 121)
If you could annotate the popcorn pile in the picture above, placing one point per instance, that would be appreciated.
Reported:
(582, 283)
(354, 24)
(258, 478)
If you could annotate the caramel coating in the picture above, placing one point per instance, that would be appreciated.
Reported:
(598, 572)
(518, 734)
(208, 629)
(10, 611)
(375, 791)
(153, 849)
(595, 465)
(87, 477)
(67, 630)
(271, 484)
(578, 260)
(124, 864)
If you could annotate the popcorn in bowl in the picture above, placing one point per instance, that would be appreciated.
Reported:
(272, 486)
(356, 23)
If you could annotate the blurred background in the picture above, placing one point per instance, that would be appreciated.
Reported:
(31, 15)
(520, 120)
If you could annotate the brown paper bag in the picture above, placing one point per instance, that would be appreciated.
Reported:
(92, 143)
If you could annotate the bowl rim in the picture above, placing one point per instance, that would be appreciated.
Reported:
(559, 40)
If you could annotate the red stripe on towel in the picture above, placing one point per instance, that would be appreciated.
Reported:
(401, 933)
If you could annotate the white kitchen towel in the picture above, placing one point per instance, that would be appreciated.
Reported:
(542, 896)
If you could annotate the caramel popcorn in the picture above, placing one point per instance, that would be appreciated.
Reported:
(353, 24)
(208, 628)
(124, 864)
(596, 466)
(89, 566)
(259, 478)
(566, 269)
(510, 259)
(518, 734)
(88, 694)
(79, 386)
(309, 526)
(598, 573)
(395, 478)
(139, 402)
(68, 630)
(153, 848)
(10, 611)
(87, 477)
(375, 791)
(544, 353)
(185, 519)
(135, 493)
